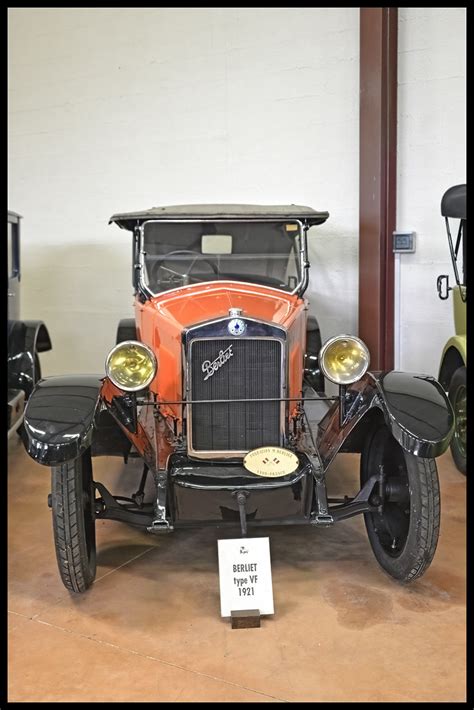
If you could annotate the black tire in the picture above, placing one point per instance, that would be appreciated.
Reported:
(313, 346)
(458, 398)
(405, 535)
(72, 502)
(126, 330)
(313, 342)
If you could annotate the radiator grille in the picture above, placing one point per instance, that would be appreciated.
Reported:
(252, 371)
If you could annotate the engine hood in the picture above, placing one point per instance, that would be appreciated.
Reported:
(162, 320)
(198, 303)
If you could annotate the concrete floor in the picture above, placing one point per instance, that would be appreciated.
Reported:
(149, 629)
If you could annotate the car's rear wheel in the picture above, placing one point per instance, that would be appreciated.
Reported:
(72, 503)
(313, 375)
(458, 398)
(405, 534)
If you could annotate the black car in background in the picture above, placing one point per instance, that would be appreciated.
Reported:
(26, 338)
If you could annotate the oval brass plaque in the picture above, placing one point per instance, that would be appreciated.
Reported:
(271, 461)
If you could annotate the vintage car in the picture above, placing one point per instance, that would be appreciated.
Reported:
(25, 338)
(213, 384)
(452, 371)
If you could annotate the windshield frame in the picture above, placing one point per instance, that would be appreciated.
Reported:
(299, 289)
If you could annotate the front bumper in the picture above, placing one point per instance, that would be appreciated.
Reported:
(206, 491)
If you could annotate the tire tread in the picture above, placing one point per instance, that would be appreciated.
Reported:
(430, 522)
(425, 514)
(71, 553)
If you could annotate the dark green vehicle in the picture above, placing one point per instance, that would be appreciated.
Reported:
(452, 373)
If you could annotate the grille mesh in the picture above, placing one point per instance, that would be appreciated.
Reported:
(253, 371)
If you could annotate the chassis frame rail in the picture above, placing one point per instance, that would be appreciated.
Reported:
(108, 506)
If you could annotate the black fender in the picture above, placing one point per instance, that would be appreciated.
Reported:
(415, 408)
(63, 418)
(37, 336)
(452, 360)
(25, 339)
(126, 330)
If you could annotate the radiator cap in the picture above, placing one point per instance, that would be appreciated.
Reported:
(271, 461)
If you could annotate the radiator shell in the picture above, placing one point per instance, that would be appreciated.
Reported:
(252, 368)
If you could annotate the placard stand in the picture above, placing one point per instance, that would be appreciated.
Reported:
(245, 580)
(245, 619)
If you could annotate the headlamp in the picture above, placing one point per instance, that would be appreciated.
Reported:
(344, 359)
(131, 365)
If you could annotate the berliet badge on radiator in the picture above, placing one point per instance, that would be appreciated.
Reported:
(236, 326)
(211, 367)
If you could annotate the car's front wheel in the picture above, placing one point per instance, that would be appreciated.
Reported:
(72, 503)
(405, 533)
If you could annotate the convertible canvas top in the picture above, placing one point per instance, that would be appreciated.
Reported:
(129, 220)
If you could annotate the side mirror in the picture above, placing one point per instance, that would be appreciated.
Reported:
(443, 286)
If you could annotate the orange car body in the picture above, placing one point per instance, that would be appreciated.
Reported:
(160, 322)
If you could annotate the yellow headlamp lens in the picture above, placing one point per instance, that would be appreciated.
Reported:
(131, 365)
(344, 359)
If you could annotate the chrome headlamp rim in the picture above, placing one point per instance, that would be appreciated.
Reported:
(330, 342)
(152, 357)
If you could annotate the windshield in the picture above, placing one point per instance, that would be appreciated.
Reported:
(183, 253)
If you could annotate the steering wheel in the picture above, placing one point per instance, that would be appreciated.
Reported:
(165, 275)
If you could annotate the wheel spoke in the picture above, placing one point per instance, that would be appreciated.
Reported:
(460, 413)
(392, 524)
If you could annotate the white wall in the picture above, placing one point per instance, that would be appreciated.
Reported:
(431, 158)
(121, 109)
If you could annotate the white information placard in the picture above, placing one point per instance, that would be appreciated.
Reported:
(245, 575)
